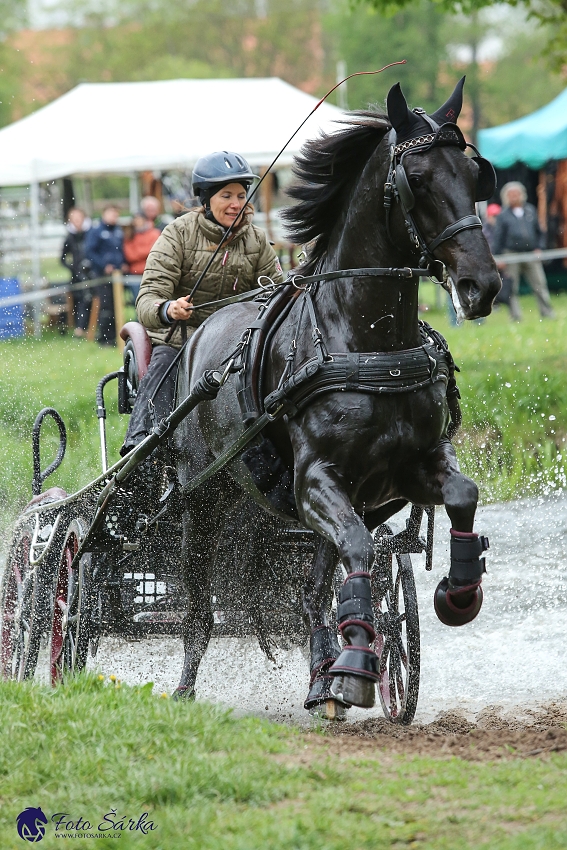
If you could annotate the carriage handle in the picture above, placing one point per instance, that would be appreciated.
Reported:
(101, 413)
(39, 476)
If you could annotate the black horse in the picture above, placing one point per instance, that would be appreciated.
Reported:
(386, 191)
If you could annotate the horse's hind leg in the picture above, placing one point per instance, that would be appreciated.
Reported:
(458, 597)
(199, 547)
(326, 509)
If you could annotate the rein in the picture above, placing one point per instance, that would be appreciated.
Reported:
(404, 273)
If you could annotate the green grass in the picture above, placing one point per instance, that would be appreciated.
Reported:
(514, 399)
(209, 780)
(55, 372)
(512, 382)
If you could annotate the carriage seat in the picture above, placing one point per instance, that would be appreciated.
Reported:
(137, 334)
(54, 494)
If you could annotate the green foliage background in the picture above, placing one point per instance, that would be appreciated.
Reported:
(298, 40)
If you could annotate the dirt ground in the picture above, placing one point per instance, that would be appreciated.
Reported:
(492, 736)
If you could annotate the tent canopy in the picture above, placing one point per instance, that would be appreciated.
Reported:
(128, 127)
(533, 140)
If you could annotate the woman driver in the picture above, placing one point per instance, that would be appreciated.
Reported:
(180, 254)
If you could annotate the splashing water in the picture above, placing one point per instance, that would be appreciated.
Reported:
(512, 655)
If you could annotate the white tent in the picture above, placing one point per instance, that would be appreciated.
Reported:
(128, 127)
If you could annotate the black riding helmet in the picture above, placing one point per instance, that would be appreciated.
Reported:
(218, 169)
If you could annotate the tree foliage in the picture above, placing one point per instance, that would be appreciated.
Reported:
(550, 13)
(13, 15)
(439, 48)
(152, 39)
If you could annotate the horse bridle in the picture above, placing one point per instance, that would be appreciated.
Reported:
(397, 187)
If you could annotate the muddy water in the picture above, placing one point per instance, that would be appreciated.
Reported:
(514, 655)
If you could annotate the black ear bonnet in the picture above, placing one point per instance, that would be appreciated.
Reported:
(418, 132)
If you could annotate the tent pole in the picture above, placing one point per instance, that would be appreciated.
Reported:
(134, 194)
(35, 254)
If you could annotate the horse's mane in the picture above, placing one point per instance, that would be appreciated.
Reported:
(327, 169)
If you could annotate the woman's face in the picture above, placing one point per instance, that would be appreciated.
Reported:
(227, 203)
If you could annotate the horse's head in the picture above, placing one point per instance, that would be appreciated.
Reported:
(430, 194)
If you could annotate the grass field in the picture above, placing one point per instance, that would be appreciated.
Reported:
(210, 781)
(512, 383)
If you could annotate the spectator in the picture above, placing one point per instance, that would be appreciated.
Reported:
(104, 249)
(489, 226)
(137, 248)
(489, 230)
(73, 258)
(517, 231)
(151, 208)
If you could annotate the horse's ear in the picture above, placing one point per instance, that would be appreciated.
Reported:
(403, 120)
(450, 111)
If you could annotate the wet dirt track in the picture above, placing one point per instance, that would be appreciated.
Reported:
(504, 675)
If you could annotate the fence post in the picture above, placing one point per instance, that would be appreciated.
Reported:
(118, 297)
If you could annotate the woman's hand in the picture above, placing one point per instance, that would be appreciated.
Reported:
(180, 309)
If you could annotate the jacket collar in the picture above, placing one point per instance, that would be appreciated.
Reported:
(214, 232)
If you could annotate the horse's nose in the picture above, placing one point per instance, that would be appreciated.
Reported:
(477, 297)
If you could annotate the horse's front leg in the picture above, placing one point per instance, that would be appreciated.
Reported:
(325, 507)
(324, 644)
(458, 597)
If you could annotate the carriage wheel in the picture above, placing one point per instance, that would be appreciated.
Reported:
(397, 637)
(70, 621)
(20, 631)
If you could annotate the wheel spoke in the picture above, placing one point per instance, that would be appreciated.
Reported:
(392, 689)
(402, 650)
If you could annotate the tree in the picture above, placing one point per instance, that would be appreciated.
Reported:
(551, 13)
(122, 40)
(12, 16)
(498, 89)
(367, 40)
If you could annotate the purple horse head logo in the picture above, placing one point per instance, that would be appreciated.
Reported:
(30, 824)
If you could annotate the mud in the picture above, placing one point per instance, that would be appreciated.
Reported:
(536, 733)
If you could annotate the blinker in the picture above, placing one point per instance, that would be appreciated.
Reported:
(486, 179)
(404, 189)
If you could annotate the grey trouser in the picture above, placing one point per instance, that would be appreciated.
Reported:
(147, 410)
(535, 275)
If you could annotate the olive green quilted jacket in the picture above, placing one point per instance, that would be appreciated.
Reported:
(180, 255)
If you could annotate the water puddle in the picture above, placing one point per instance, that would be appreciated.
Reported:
(511, 656)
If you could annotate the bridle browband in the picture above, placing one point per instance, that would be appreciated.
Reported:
(397, 187)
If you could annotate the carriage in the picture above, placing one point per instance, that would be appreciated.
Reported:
(368, 434)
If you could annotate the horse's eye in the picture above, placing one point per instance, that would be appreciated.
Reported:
(416, 180)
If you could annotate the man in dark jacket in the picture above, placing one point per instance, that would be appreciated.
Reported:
(73, 258)
(104, 249)
(517, 232)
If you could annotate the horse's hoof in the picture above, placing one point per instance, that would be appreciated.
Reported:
(185, 694)
(329, 710)
(457, 609)
(354, 690)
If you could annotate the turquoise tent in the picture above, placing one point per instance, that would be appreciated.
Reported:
(533, 139)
